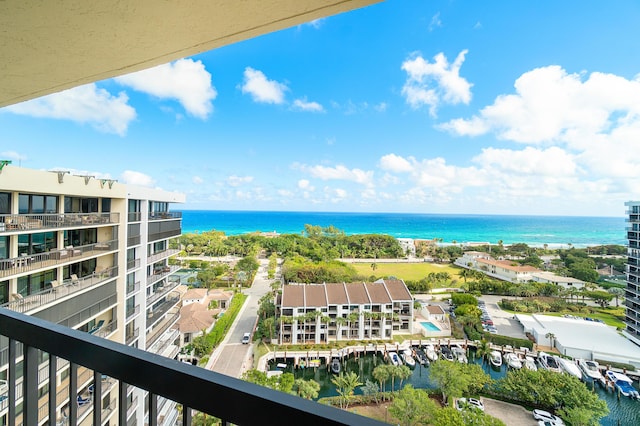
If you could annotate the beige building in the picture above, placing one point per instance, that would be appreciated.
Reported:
(91, 254)
(318, 313)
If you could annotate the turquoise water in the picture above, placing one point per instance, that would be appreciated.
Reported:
(429, 326)
(556, 231)
(623, 412)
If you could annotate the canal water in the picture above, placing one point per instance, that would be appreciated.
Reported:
(622, 412)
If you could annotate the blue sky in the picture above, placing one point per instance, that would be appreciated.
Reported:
(528, 107)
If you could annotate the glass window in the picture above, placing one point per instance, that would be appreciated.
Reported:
(37, 204)
(4, 247)
(23, 204)
(5, 203)
(51, 204)
(4, 291)
(106, 205)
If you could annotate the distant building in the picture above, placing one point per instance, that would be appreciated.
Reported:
(317, 313)
(551, 278)
(632, 293)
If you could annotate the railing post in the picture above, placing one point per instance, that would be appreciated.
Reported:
(97, 398)
(53, 371)
(153, 409)
(123, 403)
(186, 416)
(73, 394)
(30, 387)
(12, 382)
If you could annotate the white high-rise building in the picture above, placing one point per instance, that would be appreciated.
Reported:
(91, 254)
(632, 292)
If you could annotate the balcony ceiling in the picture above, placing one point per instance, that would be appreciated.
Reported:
(49, 46)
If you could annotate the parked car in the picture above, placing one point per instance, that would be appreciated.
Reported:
(465, 403)
(246, 338)
(547, 417)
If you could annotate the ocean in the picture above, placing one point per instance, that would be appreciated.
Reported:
(555, 231)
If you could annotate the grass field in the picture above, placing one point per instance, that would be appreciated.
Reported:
(406, 271)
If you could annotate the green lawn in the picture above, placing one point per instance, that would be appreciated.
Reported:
(406, 271)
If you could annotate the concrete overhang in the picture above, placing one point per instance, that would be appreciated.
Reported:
(51, 45)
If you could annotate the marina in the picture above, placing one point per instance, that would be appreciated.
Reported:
(363, 359)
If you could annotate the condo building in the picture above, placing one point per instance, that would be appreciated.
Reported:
(93, 255)
(319, 313)
(632, 292)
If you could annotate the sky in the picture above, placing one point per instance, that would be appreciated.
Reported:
(440, 106)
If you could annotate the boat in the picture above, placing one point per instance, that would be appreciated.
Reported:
(512, 360)
(407, 356)
(394, 358)
(446, 353)
(421, 356)
(281, 365)
(459, 354)
(495, 358)
(431, 353)
(335, 365)
(547, 362)
(530, 363)
(623, 383)
(569, 366)
(591, 369)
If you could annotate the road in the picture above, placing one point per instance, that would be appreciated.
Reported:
(231, 357)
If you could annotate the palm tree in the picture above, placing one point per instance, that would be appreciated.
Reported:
(483, 350)
(617, 293)
(382, 373)
(345, 385)
(552, 339)
(402, 372)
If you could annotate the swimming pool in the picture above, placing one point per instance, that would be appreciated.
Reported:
(429, 326)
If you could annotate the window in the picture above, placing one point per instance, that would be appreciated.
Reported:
(80, 205)
(35, 283)
(4, 291)
(37, 204)
(5, 203)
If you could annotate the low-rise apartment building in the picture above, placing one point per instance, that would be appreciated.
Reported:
(318, 313)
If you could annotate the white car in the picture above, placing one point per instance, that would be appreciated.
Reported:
(462, 403)
(246, 338)
(546, 416)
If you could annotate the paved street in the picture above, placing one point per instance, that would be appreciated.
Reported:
(231, 357)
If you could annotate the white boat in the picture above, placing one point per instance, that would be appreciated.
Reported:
(394, 358)
(431, 353)
(569, 366)
(445, 353)
(512, 360)
(459, 354)
(495, 358)
(623, 383)
(547, 362)
(407, 357)
(335, 366)
(591, 369)
(530, 363)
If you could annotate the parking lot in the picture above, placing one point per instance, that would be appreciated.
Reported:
(504, 322)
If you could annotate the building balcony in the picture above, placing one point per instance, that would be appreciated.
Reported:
(165, 215)
(153, 373)
(161, 325)
(160, 273)
(50, 259)
(36, 222)
(65, 290)
(164, 254)
(161, 291)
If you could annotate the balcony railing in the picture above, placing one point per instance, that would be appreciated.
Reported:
(50, 259)
(203, 390)
(162, 255)
(30, 222)
(67, 288)
(160, 273)
(161, 325)
(165, 215)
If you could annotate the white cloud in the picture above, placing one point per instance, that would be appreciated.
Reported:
(137, 178)
(381, 107)
(435, 22)
(197, 180)
(316, 23)
(82, 104)
(234, 180)
(184, 80)
(13, 155)
(339, 172)
(530, 161)
(395, 163)
(550, 105)
(285, 193)
(261, 88)
(304, 105)
(305, 185)
(435, 83)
